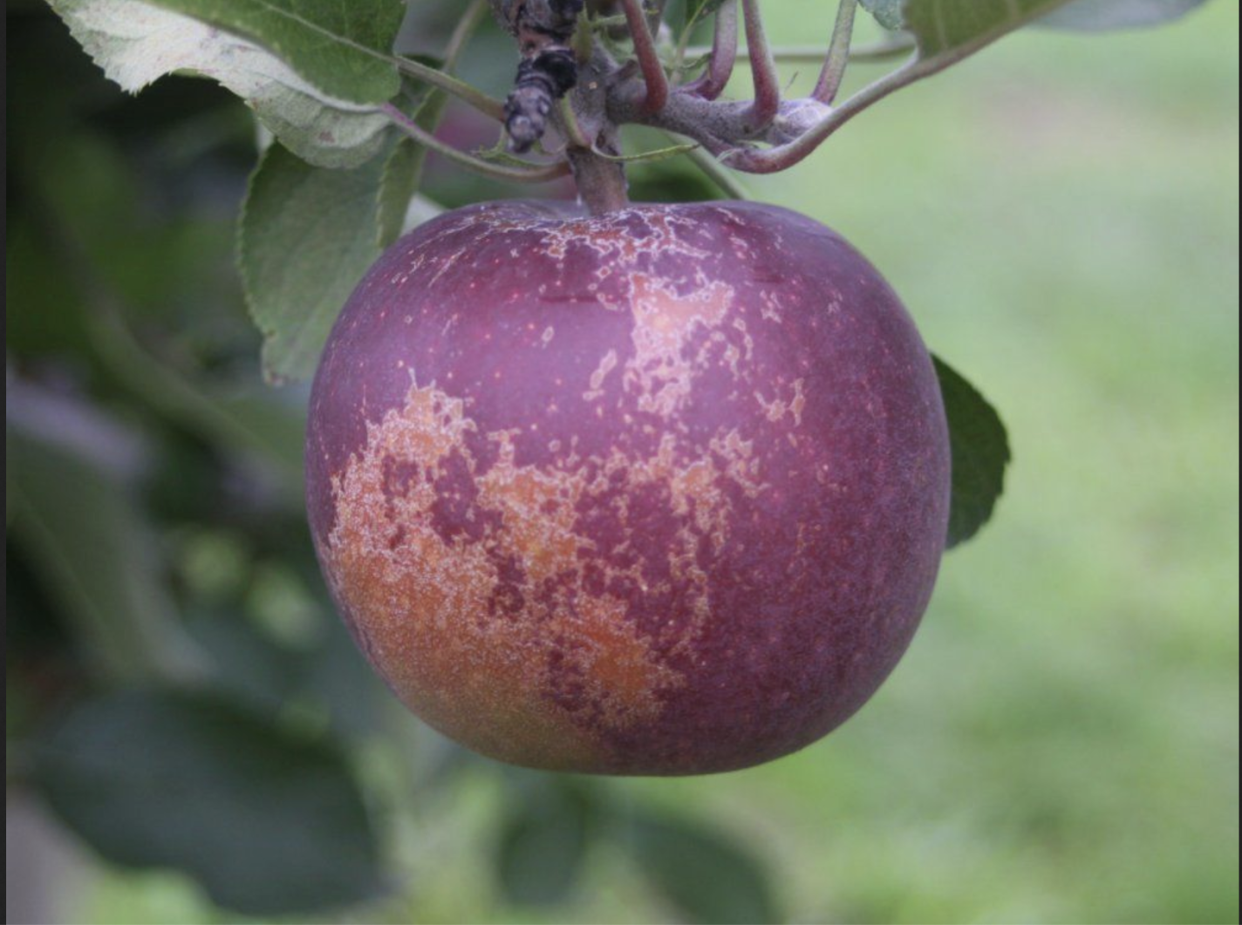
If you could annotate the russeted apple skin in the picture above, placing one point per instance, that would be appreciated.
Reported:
(659, 492)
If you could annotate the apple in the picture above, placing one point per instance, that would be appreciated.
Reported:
(661, 491)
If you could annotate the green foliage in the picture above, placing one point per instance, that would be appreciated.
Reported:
(888, 13)
(136, 42)
(980, 454)
(163, 779)
(343, 49)
(76, 523)
(949, 30)
(399, 184)
(1097, 15)
(404, 171)
(706, 877)
(977, 17)
(699, 10)
(542, 843)
(307, 236)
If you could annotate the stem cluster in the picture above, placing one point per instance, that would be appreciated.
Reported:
(590, 66)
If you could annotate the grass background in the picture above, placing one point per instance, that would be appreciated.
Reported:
(1061, 743)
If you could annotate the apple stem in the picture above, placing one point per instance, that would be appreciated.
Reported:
(723, 55)
(648, 57)
(885, 50)
(601, 181)
(838, 55)
(767, 81)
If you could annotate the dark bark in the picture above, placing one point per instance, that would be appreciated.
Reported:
(549, 70)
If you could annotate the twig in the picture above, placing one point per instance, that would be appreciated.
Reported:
(723, 55)
(532, 174)
(648, 57)
(767, 81)
(875, 53)
(493, 108)
(838, 54)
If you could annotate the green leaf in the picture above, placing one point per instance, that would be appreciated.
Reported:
(980, 454)
(708, 878)
(307, 236)
(543, 841)
(886, 12)
(398, 185)
(699, 10)
(344, 49)
(136, 43)
(248, 667)
(268, 822)
(246, 419)
(949, 30)
(403, 171)
(1101, 15)
(75, 521)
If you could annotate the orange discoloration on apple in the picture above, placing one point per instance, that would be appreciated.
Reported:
(537, 511)
(664, 323)
(423, 599)
(617, 667)
(606, 366)
(777, 408)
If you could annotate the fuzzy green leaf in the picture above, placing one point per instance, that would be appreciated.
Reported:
(76, 524)
(398, 185)
(136, 43)
(307, 236)
(1101, 15)
(699, 10)
(886, 12)
(403, 171)
(344, 49)
(543, 841)
(705, 876)
(981, 454)
(949, 30)
(267, 821)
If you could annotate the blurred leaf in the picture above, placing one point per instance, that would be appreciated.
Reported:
(706, 876)
(543, 840)
(1101, 15)
(77, 526)
(980, 454)
(266, 821)
(698, 10)
(248, 666)
(406, 166)
(249, 422)
(398, 185)
(886, 12)
(136, 43)
(344, 49)
(948, 30)
(336, 676)
(43, 312)
(307, 237)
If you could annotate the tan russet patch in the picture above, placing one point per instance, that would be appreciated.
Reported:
(491, 633)
(778, 407)
(664, 324)
(606, 366)
(422, 602)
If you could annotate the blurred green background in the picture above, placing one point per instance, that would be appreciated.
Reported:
(1060, 744)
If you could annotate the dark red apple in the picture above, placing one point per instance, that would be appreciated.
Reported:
(659, 492)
